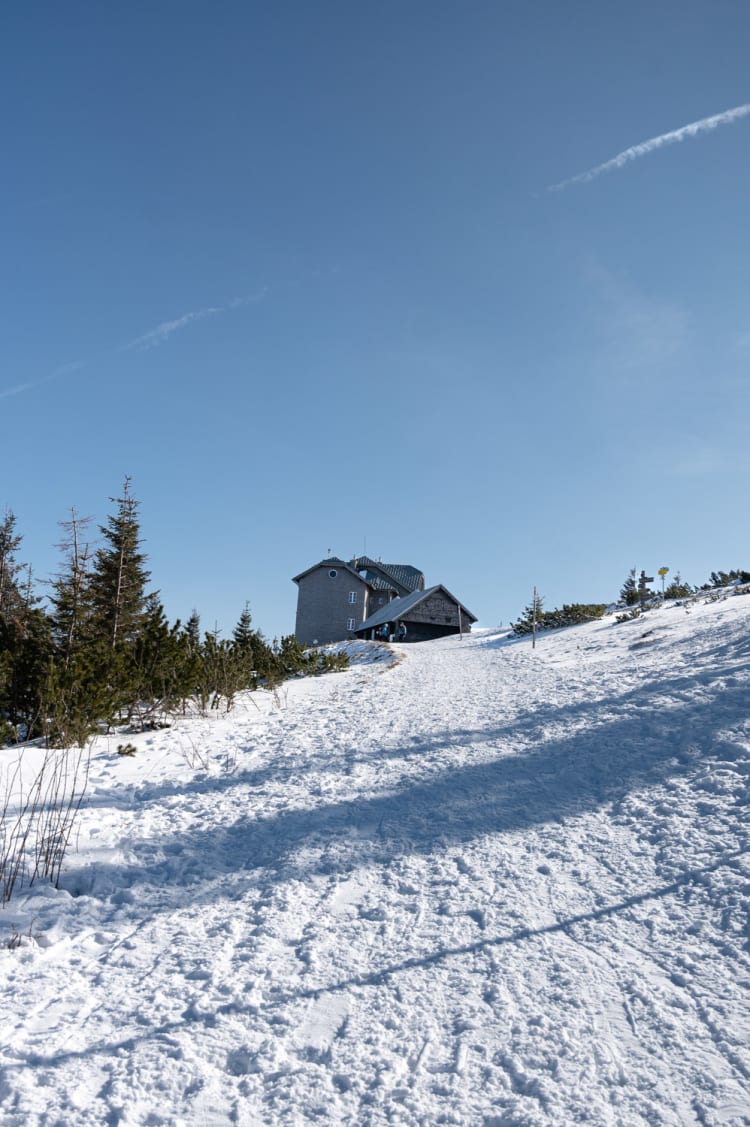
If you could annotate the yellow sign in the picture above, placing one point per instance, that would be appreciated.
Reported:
(663, 570)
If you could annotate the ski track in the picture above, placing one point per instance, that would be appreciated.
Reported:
(488, 885)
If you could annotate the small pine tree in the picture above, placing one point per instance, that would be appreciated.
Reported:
(678, 588)
(533, 614)
(160, 680)
(243, 634)
(243, 647)
(629, 589)
(192, 631)
(724, 578)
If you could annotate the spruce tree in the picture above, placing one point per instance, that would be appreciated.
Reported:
(10, 598)
(243, 646)
(70, 599)
(192, 631)
(243, 633)
(163, 668)
(629, 589)
(532, 615)
(119, 578)
(25, 652)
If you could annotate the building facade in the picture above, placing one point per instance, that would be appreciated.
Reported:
(339, 599)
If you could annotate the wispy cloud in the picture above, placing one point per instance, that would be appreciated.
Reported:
(63, 370)
(154, 337)
(635, 152)
(248, 298)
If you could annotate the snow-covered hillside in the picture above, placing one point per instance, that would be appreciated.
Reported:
(486, 885)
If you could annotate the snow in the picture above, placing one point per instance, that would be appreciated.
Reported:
(469, 882)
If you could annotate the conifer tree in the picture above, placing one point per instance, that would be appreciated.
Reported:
(70, 600)
(532, 616)
(723, 578)
(243, 633)
(163, 669)
(243, 647)
(25, 652)
(629, 589)
(119, 578)
(10, 598)
(678, 588)
(192, 632)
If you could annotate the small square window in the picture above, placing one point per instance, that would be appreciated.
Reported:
(352, 597)
(350, 623)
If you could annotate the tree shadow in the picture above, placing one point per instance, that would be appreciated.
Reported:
(520, 935)
(640, 743)
(642, 704)
(382, 975)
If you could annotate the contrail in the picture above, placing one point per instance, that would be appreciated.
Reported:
(645, 147)
(64, 370)
(163, 331)
(151, 339)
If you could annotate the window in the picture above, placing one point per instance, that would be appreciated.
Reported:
(350, 623)
(352, 597)
(332, 573)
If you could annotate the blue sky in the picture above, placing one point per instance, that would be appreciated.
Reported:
(296, 268)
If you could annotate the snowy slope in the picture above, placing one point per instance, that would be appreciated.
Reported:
(485, 885)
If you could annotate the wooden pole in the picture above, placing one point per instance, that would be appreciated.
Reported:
(533, 623)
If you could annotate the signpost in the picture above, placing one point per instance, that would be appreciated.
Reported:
(662, 572)
(643, 591)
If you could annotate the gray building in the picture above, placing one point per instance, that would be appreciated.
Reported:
(339, 599)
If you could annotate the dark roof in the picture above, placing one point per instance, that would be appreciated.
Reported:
(331, 561)
(400, 608)
(404, 575)
(408, 576)
(400, 578)
(379, 584)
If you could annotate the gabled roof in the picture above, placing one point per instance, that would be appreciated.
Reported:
(400, 608)
(404, 575)
(331, 561)
(399, 578)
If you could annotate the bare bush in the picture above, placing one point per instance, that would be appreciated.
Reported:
(36, 823)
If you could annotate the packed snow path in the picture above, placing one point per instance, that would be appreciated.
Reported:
(488, 885)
